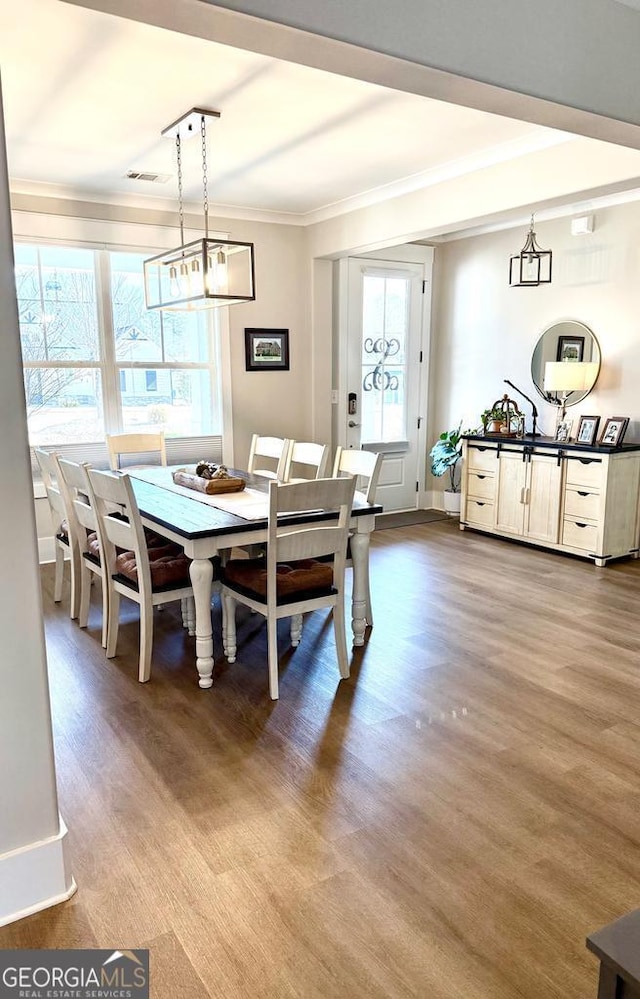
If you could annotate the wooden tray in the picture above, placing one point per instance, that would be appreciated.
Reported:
(211, 487)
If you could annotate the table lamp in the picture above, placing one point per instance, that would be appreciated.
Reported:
(565, 377)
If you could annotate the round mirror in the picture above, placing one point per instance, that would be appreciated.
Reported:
(565, 363)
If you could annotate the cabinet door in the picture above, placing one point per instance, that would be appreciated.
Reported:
(543, 491)
(512, 472)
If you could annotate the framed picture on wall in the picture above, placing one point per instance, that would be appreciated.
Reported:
(266, 350)
(588, 429)
(570, 348)
(614, 430)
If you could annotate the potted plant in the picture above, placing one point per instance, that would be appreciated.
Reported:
(492, 420)
(445, 455)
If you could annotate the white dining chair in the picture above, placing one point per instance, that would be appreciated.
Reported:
(150, 577)
(364, 466)
(59, 518)
(275, 450)
(85, 532)
(303, 569)
(141, 444)
(307, 457)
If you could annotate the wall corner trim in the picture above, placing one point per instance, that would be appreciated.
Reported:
(35, 877)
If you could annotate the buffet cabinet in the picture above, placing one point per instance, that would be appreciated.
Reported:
(572, 498)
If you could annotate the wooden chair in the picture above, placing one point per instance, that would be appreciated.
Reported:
(150, 577)
(291, 580)
(311, 456)
(85, 532)
(59, 517)
(275, 449)
(364, 466)
(119, 444)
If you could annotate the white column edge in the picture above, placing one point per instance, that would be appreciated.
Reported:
(35, 877)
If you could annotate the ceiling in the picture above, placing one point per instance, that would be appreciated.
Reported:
(86, 96)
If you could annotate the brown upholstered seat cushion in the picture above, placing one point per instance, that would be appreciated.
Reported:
(169, 567)
(294, 580)
(93, 547)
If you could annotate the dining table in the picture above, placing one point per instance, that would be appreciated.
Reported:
(206, 526)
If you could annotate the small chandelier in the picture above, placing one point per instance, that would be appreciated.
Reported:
(532, 266)
(207, 272)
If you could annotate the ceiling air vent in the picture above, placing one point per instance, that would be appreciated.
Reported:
(153, 178)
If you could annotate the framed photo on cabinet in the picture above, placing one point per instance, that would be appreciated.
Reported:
(588, 429)
(563, 430)
(614, 430)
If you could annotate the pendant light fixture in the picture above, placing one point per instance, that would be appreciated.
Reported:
(207, 272)
(532, 266)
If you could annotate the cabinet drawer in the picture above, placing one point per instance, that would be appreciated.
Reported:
(483, 459)
(580, 534)
(481, 485)
(480, 513)
(581, 504)
(585, 473)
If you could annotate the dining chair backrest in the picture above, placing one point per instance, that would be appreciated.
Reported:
(121, 527)
(309, 455)
(85, 530)
(275, 449)
(74, 483)
(130, 566)
(60, 522)
(287, 543)
(364, 465)
(49, 472)
(141, 444)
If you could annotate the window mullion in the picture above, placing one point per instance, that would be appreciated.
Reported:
(110, 377)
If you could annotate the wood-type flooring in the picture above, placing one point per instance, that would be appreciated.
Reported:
(449, 823)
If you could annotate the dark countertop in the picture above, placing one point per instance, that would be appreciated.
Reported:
(618, 946)
(549, 442)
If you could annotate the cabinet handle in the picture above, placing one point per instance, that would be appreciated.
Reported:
(479, 504)
(522, 494)
(583, 494)
(578, 524)
(482, 476)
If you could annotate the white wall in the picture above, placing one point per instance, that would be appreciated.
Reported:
(32, 865)
(485, 331)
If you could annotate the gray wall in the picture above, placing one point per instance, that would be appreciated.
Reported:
(28, 801)
(578, 53)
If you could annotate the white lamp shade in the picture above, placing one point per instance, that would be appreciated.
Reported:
(569, 376)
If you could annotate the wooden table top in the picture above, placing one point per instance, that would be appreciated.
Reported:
(192, 519)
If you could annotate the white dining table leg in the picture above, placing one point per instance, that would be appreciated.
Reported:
(201, 573)
(360, 559)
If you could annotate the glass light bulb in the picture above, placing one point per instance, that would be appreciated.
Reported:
(174, 284)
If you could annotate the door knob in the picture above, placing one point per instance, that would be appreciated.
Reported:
(352, 423)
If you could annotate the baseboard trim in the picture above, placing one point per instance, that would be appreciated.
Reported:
(35, 877)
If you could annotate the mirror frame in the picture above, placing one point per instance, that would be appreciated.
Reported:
(537, 376)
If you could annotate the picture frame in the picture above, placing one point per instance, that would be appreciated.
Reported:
(266, 349)
(587, 430)
(614, 430)
(570, 348)
(563, 431)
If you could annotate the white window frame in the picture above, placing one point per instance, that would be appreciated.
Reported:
(179, 449)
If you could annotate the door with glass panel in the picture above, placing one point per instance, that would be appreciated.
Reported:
(383, 372)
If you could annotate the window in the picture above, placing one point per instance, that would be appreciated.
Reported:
(96, 361)
(385, 329)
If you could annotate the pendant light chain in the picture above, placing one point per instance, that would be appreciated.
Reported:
(180, 201)
(205, 193)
